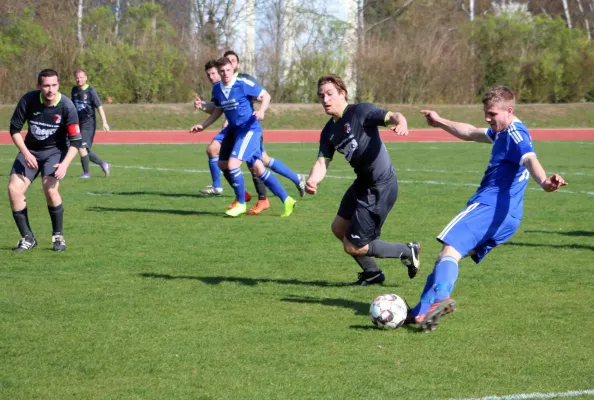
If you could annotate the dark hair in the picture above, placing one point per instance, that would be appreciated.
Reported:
(336, 81)
(499, 94)
(76, 71)
(210, 64)
(46, 73)
(231, 53)
(222, 61)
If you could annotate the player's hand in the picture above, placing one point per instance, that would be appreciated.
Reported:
(197, 128)
(198, 103)
(553, 183)
(259, 115)
(432, 117)
(106, 127)
(311, 187)
(31, 161)
(60, 170)
(402, 128)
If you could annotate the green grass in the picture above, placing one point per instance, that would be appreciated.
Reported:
(160, 297)
(312, 116)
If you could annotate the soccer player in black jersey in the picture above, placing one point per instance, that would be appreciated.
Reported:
(51, 143)
(353, 132)
(86, 100)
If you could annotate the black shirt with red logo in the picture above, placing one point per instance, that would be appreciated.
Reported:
(356, 136)
(49, 126)
(86, 101)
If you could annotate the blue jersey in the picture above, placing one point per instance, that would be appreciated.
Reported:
(506, 176)
(235, 100)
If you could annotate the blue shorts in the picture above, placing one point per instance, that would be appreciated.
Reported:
(221, 135)
(247, 145)
(479, 227)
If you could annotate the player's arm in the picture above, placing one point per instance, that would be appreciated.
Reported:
(461, 130)
(103, 118)
(16, 124)
(202, 105)
(538, 173)
(265, 96)
(398, 122)
(209, 121)
(317, 174)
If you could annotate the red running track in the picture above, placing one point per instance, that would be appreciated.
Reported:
(306, 136)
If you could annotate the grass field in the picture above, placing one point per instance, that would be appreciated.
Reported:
(311, 116)
(160, 297)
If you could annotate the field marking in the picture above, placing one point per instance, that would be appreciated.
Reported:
(523, 396)
(352, 177)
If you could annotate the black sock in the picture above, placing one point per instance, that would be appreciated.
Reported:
(227, 176)
(380, 249)
(260, 188)
(367, 264)
(95, 158)
(22, 221)
(84, 160)
(57, 216)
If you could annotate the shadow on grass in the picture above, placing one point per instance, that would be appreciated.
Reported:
(153, 210)
(555, 246)
(215, 280)
(154, 193)
(565, 233)
(359, 307)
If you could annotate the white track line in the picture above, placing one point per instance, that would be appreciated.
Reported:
(204, 171)
(536, 395)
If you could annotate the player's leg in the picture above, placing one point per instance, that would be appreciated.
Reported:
(94, 158)
(20, 179)
(213, 151)
(224, 155)
(86, 134)
(280, 168)
(269, 179)
(53, 198)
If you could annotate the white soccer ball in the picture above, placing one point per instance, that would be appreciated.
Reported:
(388, 311)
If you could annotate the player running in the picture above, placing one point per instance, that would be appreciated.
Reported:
(353, 132)
(493, 213)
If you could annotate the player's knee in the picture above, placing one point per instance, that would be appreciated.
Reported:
(353, 250)
(16, 189)
(449, 251)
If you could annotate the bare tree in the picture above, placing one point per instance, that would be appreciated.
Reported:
(567, 14)
(586, 21)
(79, 17)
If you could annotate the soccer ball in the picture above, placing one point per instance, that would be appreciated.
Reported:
(388, 311)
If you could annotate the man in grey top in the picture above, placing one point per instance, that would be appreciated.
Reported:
(353, 132)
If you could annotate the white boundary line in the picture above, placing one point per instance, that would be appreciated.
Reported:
(523, 396)
(352, 177)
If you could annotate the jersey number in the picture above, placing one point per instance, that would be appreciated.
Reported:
(524, 175)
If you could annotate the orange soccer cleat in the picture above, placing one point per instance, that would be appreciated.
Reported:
(260, 206)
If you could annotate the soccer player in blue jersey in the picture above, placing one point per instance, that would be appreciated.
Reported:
(86, 100)
(353, 132)
(233, 97)
(51, 143)
(493, 213)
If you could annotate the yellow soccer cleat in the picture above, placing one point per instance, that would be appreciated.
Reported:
(289, 206)
(237, 210)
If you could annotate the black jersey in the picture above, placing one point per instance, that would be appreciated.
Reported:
(356, 136)
(49, 126)
(86, 101)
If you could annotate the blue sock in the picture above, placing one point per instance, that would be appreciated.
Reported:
(274, 185)
(238, 184)
(440, 284)
(215, 172)
(281, 169)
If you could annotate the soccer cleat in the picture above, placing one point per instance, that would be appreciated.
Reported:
(301, 185)
(248, 197)
(260, 206)
(370, 278)
(106, 168)
(25, 244)
(413, 262)
(237, 210)
(289, 206)
(59, 244)
(85, 175)
(429, 321)
(211, 191)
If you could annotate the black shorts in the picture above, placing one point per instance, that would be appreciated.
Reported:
(46, 159)
(88, 135)
(367, 210)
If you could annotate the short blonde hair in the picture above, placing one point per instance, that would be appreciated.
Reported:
(500, 94)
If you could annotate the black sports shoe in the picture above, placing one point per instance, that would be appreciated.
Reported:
(370, 278)
(301, 185)
(25, 244)
(59, 243)
(413, 262)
